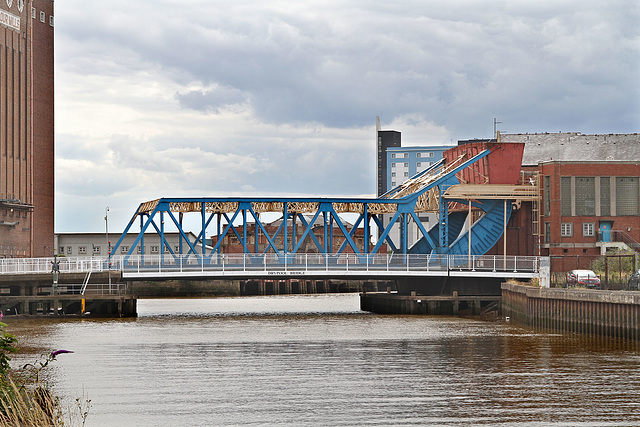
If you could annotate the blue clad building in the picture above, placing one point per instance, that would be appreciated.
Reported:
(405, 162)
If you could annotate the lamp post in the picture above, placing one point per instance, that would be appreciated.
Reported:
(106, 232)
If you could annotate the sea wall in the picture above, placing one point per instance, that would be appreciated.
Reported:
(614, 314)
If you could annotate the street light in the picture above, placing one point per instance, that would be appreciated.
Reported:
(106, 232)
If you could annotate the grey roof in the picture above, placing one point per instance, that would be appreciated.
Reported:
(574, 146)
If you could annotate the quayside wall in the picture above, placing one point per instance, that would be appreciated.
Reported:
(613, 314)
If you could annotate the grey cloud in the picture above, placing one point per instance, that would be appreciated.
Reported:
(211, 100)
(344, 66)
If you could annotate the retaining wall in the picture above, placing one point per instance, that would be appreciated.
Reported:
(594, 312)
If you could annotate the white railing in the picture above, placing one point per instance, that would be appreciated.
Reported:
(85, 289)
(45, 265)
(260, 264)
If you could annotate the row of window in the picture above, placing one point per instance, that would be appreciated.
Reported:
(97, 250)
(406, 155)
(595, 196)
(43, 16)
(566, 230)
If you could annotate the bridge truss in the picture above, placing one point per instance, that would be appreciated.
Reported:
(316, 220)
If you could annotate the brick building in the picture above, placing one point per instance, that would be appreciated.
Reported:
(26, 129)
(589, 197)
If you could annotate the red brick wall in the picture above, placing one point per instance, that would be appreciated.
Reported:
(43, 130)
(27, 133)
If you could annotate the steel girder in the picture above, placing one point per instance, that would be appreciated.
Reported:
(236, 216)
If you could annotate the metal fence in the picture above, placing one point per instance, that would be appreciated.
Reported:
(45, 265)
(86, 289)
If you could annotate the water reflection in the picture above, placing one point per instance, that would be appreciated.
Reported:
(318, 360)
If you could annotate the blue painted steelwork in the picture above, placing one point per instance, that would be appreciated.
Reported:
(235, 216)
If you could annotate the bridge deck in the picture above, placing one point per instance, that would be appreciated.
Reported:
(149, 267)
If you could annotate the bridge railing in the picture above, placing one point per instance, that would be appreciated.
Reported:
(281, 262)
(256, 263)
(45, 265)
(287, 263)
(90, 289)
(494, 263)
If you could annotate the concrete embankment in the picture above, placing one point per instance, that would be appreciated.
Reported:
(595, 312)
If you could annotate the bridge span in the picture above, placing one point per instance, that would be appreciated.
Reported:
(30, 286)
(248, 266)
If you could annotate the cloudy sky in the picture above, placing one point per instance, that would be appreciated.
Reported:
(169, 98)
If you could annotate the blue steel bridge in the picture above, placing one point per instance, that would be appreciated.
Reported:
(472, 193)
(472, 215)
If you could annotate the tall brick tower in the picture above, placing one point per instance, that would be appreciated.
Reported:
(26, 128)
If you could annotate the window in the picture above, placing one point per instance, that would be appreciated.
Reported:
(605, 195)
(565, 196)
(393, 165)
(124, 249)
(176, 249)
(547, 195)
(51, 20)
(82, 250)
(61, 250)
(393, 174)
(42, 16)
(406, 165)
(419, 155)
(139, 249)
(547, 232)
(406, 174)
(418, 164)
(566, 229)
(393, 155)
(627, 195)
(406, 155)
(96, 250)
(33, 12)
(588, 229)
(585, 194)
(393, 184)
(69, 250)
(154, 249)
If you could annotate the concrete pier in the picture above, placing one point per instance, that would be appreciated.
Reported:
(613, 314)
(35, 294)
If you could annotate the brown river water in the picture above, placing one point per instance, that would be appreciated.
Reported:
(317, 360)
